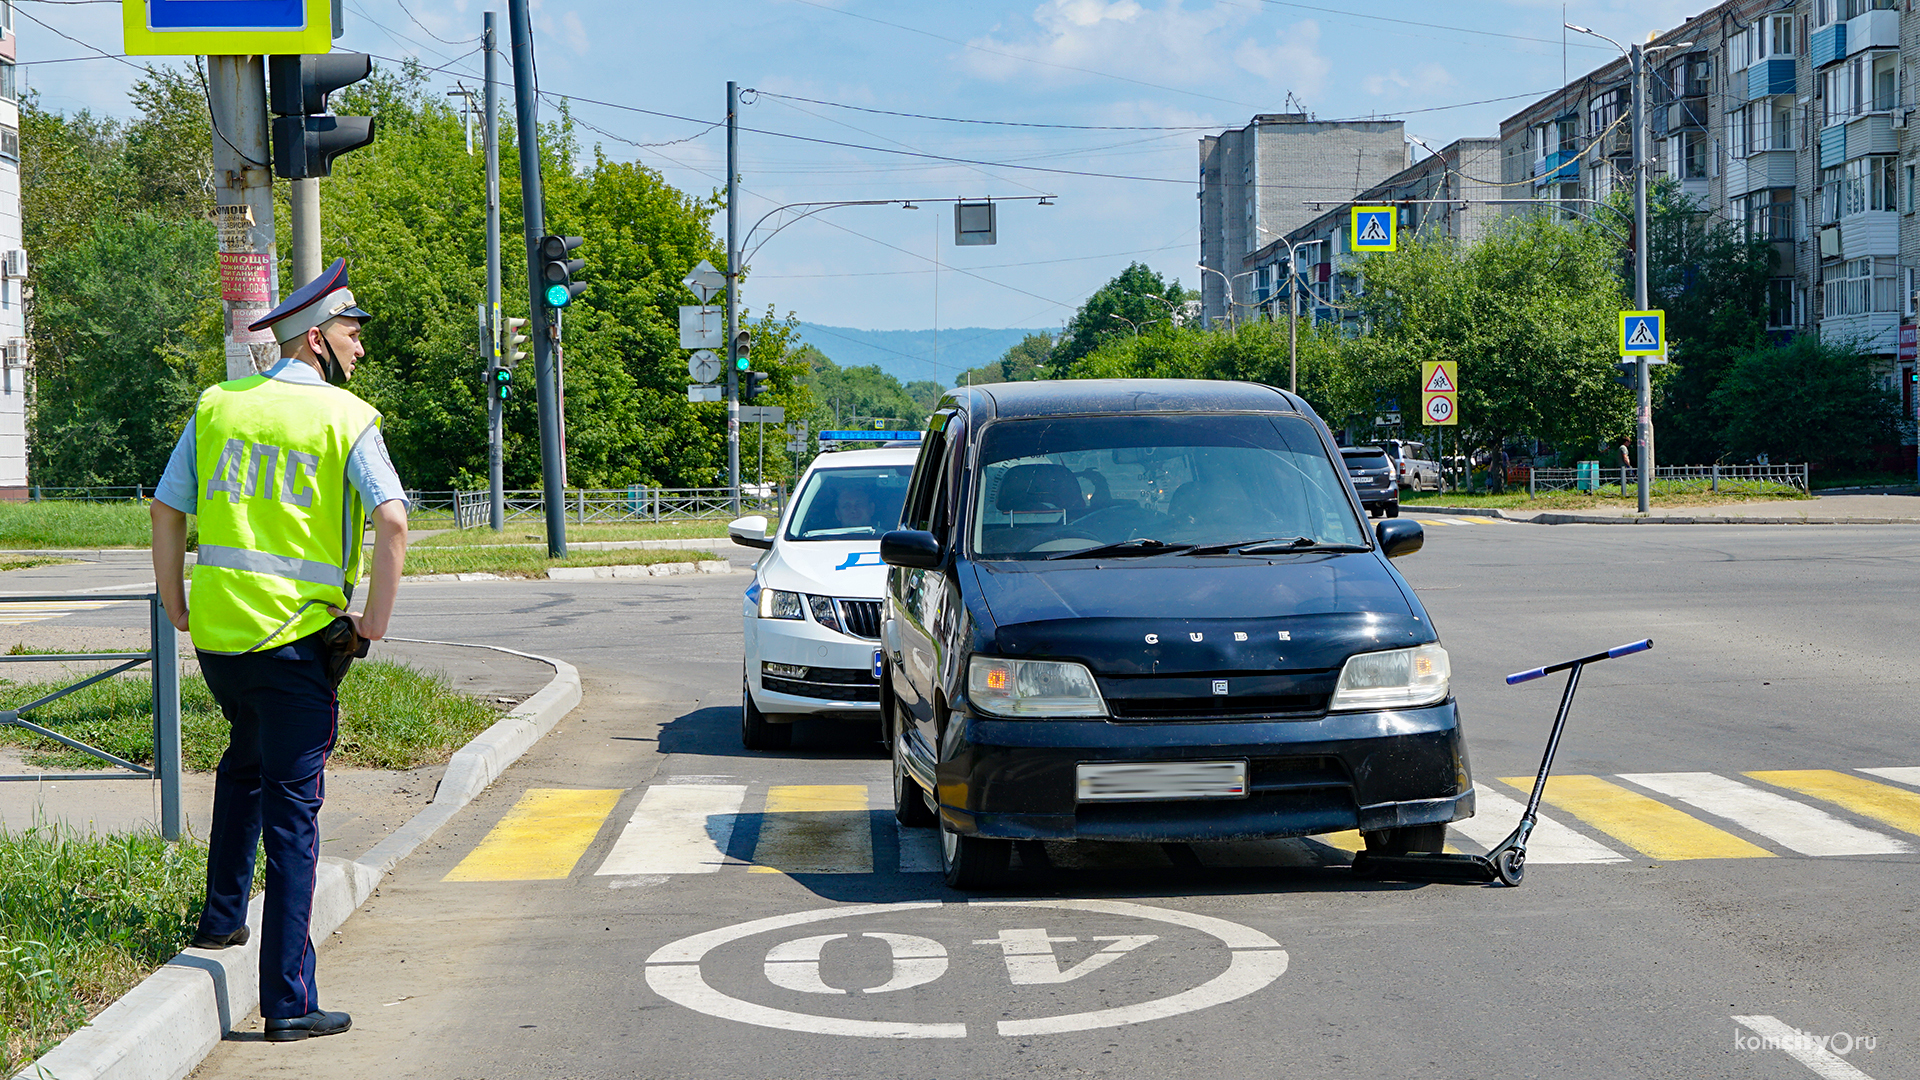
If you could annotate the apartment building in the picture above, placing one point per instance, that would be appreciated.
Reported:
(14, 360)
(1449, 192)
(1260, 182)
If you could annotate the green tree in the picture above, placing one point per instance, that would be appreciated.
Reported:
(1128, 305)
(1025, 360)
(1839, 414)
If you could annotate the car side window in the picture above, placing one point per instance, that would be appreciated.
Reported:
(926, 474)
(952, 463)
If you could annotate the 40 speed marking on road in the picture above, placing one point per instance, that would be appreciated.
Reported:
(1254, 960)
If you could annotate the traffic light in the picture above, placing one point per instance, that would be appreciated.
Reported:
(752, 386)
(742, 345)
(1629, 375)
(556, 270)
(511, 352)
(502, 383)
(306, 138)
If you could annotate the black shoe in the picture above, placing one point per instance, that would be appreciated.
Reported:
(315, 1023)
(203, 939)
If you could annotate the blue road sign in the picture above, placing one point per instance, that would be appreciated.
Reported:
(227, 14)
(1643, 333)
(1373, 229)
(226, 27)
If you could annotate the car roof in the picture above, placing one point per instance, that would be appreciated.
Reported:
(1064, 397)
(857, 459)
(1361, 450)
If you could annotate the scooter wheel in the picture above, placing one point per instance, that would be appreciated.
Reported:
(1511, 865)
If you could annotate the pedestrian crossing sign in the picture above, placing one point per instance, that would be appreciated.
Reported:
(1643, 333)
(1374, 229)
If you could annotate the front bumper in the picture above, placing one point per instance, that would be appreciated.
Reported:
(804, 643)
(1016, 779)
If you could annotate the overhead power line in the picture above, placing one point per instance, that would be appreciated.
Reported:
(994, 123)
(1350, 14)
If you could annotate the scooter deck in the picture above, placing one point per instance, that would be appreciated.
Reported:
(1427, 866)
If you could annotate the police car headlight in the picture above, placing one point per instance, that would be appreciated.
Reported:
(1025, 689)
(1397, 678)
(823, 613)
(776, 604)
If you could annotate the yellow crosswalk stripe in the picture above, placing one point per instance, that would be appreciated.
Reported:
(1881, 802)
(541, 838)
(1650, 825)
(815, 829)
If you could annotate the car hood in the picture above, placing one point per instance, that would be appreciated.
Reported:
(1175, 615)
(842, 568)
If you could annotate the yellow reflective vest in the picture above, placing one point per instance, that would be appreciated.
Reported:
(280, 523)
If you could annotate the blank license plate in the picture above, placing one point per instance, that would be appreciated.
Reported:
(1148, 780)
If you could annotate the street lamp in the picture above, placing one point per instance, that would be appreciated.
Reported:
(1637, 64)
(1228, 282)
(1293, 314)
(1129, 322)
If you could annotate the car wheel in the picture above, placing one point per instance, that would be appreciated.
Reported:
(910, 806)
(755, 732)
(972, 862)
(1406, 840)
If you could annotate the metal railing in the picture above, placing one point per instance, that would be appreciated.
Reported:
(473, 509)
(1794, 476)
(163, 653)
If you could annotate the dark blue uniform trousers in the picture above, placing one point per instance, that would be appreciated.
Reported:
(270, 783)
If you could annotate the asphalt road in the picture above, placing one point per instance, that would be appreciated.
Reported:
(531, 940)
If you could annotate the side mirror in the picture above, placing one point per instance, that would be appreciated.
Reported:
(910, 548)
(1398, 537)
(750, 531)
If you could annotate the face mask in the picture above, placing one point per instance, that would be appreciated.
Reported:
(336, 374)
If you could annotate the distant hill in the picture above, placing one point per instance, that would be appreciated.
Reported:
(908, 355)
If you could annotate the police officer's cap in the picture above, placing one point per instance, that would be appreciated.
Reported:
(325, 297)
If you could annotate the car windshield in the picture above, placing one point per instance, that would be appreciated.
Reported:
(1077, 483)
(850, 503)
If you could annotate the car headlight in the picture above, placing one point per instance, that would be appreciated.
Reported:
(1033, 688)
(1397, 678)
(823, 613)
(778, 604)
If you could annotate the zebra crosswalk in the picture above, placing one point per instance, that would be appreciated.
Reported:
(1460, 519)
(17, 614)
(715, 824)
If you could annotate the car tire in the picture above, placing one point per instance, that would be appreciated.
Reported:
(1407, 839)
(910, 805)
(972, 862)
(756, 733)
(1393, 509)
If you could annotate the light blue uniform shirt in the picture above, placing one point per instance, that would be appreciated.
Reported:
(368, 467)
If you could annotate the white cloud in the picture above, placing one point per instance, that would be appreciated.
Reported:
(1292, 61)
(1426, 79)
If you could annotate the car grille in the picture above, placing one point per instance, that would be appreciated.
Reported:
(1289, 706)
(828, 684)
(1282, 696)
(861, 618)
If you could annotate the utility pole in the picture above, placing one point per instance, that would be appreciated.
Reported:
(1637, 58)
(490, 131)
(303, 198)
(733, 293)
(533, 208)
(243, 206)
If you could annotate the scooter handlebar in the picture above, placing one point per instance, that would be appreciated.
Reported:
(1614, 653)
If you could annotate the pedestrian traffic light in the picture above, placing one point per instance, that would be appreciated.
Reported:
(557, 271)
(1629, 373)
(742, 345)
(306, 138)
(511, 352)
(502, 383)
(752, 386)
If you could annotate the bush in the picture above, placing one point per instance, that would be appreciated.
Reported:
(1812, 401)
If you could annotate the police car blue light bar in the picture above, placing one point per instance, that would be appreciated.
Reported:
(870, 436)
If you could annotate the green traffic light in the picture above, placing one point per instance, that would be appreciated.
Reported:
(740, 363)
(559, 295)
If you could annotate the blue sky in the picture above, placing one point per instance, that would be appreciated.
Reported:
(1167, 69)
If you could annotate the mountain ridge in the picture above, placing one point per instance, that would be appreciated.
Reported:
(908, 355)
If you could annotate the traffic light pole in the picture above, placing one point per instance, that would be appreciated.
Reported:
(733, 293)
(1637, 58)
(243, 198)
(303, 199)
(490, 127)
(534, 214)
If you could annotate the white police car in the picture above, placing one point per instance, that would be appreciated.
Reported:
(812, 615)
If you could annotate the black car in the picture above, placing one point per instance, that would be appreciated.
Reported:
(1374, 479)
(1151, 610)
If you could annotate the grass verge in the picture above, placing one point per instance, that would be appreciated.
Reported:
(391, 717)
(525, 533)
(99, 915)
(1664, 493)
(24, 562)
(533, 562)
(59, 524)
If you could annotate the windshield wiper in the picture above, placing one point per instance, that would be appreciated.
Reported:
(1275, 546)
(1143, 546)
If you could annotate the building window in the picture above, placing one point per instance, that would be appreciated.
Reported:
(1831, 181)
(1694, 144)
(8, 91)
(1860, 287)
(1776, 36)
(1605, 108)
(1769, 213)
(1780, 315)
(1912, 192)
(9, 143)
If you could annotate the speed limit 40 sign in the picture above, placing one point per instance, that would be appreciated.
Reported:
(1439, 392)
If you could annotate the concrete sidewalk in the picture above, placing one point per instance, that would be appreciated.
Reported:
(1821, 510)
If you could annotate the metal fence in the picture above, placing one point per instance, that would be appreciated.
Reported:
(1794, 476)
(473, 509)
(163, 652)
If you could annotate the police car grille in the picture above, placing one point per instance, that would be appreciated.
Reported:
(861, 618)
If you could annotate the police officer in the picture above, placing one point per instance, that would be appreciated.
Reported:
(280, 467)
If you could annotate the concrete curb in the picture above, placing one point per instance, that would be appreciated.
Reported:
(163, 1028)
(1546, 517)
(590, 573)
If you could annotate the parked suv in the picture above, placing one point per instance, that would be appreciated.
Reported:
(1418, 472)
(1373, 478)
(1151, 610)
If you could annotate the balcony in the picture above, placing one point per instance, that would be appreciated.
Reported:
(1558, 167)
(1879, 29)
(1828, 44)
(1770, 77)
(1687, 114)
(1833, 146)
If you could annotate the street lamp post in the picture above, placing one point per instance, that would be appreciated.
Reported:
(1293, 314)
(1228, 283)
(1637, 65)
(1129, 322)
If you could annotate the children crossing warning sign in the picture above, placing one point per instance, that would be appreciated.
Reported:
(1439, 392)
(1439, 380)
(1373, 229)
(1643, 333)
